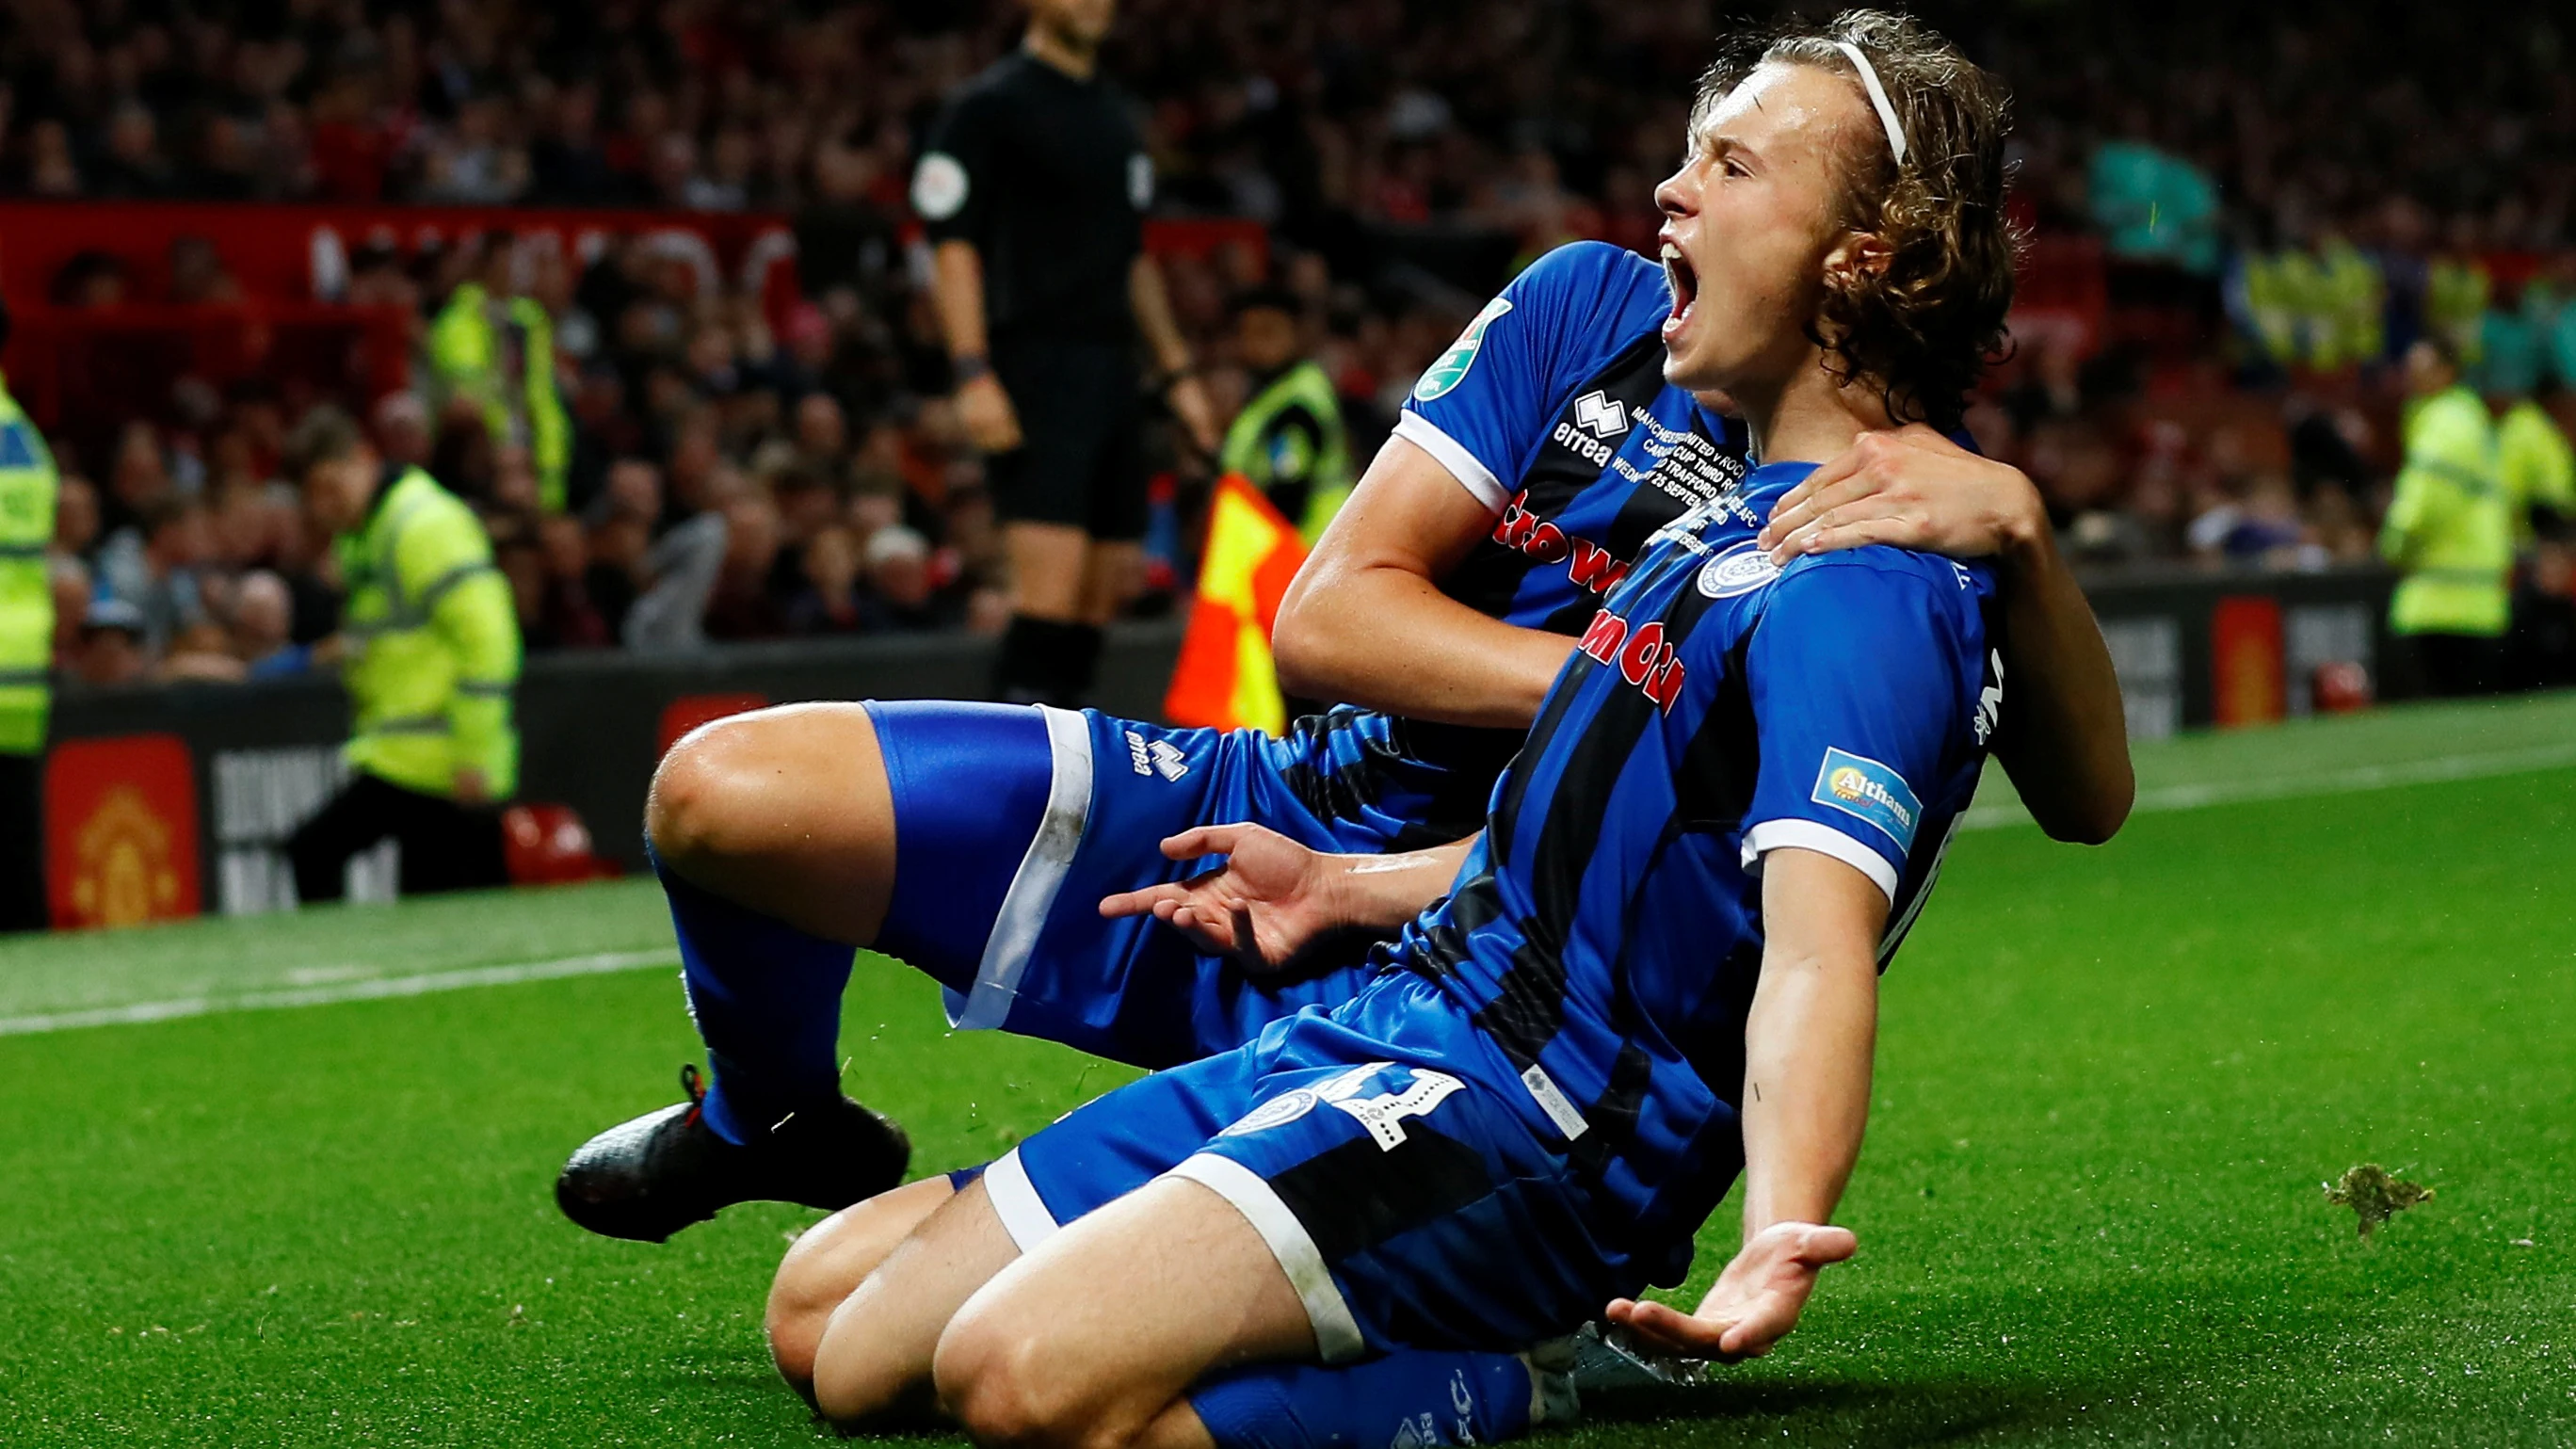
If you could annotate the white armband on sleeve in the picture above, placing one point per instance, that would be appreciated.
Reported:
(1471, 474)
(1771, 835)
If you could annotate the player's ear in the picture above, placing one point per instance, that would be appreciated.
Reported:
(1861, 256)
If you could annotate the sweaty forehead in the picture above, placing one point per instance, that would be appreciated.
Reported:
(1779, 105)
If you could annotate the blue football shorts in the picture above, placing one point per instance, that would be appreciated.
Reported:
(1013, 821)
(1408, 1187)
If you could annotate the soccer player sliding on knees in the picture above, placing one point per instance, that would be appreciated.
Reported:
(1530, 468)
(1656, 969)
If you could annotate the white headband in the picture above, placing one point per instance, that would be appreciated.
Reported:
(1877, 97)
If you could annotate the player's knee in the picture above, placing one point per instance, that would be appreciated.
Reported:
(826, 1263)
(798, 1312)
(1005, 1386)
(851, 1384)
(699, 807)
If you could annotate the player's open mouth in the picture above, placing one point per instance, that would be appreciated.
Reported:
(1685, 287)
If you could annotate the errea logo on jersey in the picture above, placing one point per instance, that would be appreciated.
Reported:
(1869, 790)
(1452, 367)
(1601, 415)
(1157, 758)
(1593, 427)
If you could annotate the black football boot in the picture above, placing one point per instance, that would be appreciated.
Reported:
(649, 1178)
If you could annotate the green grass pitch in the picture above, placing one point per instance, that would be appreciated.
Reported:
(2110, 1085)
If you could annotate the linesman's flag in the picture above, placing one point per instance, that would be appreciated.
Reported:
(1226, 678)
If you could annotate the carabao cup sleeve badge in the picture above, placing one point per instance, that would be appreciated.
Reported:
(1452, 367)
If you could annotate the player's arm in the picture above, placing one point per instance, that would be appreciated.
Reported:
(1272, 899)
(2065, 742)
(1810, 1038)
(1365, 620)
(1182, 389)
(1808, 1048)
(1860, 681)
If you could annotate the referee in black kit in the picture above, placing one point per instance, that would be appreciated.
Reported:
(1034, 184)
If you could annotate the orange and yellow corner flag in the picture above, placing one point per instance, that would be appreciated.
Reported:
(1226, 678)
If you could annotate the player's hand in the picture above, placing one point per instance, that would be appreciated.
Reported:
(1189, 401)
(985, 411)
(1755, 1302)
(1909, 487)
(1270, 900)
(473, 787)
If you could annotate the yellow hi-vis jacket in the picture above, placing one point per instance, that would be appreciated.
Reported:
(2448, 527)
(433, 637)
(27, 488)
(2536, 465)
(470, 356)
(1290, 442)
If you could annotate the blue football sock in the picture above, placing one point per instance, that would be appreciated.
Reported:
(1412, 1397)
(767, 1000)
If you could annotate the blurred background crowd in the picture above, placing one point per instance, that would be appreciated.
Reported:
(2242, 221)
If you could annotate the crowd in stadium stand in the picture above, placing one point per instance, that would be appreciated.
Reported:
(2297, 210)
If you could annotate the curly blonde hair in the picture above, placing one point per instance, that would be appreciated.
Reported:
(1923, 328)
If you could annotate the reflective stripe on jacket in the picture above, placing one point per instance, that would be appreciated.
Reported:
(433, 640)
(2448, 527)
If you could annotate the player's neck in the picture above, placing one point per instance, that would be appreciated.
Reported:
(1066, 53)
(1810, 418)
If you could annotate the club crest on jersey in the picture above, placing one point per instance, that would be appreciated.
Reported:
(1869, 790)
(1279, 1111)
(1452, 367)
(1641, 655)
(1739, 570)
(1593, 568)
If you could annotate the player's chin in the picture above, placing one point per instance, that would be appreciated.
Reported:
(1684, 369)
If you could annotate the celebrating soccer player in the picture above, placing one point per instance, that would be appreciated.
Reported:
(1531, 464)
(1659, 964)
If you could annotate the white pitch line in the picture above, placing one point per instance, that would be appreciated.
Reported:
(1984, 817)
(421, 984)
(2331, 782)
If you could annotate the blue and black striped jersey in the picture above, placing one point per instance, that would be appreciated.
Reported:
(1552, 409)
(1605, 937)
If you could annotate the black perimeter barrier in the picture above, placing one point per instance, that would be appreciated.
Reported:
(2194, 647)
